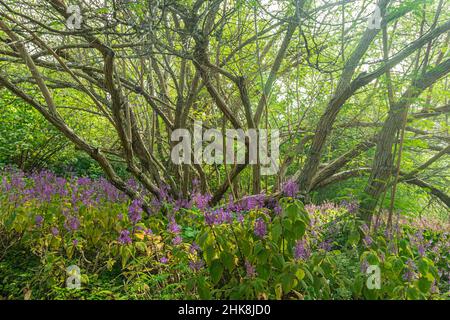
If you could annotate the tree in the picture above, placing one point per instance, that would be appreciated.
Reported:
(141, 69)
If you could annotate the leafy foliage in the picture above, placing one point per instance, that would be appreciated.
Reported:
(254, 249)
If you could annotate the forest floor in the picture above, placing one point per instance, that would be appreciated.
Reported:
(80, 238)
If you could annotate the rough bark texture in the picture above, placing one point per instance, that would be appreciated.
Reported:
(383, 163)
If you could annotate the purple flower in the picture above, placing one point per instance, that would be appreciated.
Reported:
(194, 248)
(135, 210)
(290, 188)
(392, 248)
(72, 223)
(182, 203)
(201, 200)
(364, 266)
(255, 201)
(410, 273)
(218, 216)
(377, 223)
(124, 237)
(351, 206)
(326, 245)
(388, 233)
(260, 228)
(83, 181)
(55, 231)
(173, 227)
(277, 210)
(120, 217)
(196, 265)
(164, 260)
(227, 217)
(434, 287)
(301, 250)
(251, 270)
(365, 228)
(367, 240)
(209, 218)
(164, 193)
(39, 220)
(177, 240)
(234, 206)
(75, 242)
(421, 250)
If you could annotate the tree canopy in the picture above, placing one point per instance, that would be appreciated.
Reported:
(353, 102)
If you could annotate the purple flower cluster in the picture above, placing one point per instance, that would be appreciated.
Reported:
(54, 231)
(124, 237)
(218, 216)
(351, 206)
(323, 209)
(72, 197)
(173, 227)
(164, 260)
(45, 187)
(364, 266)
(234, 206)
(196, 265)
(182, 203)
(301, 250)
(254, 202)
(410, 273)
(260, 228)
(201, 201)
(326, 245)
(422, 245)
(367, 240)
(290, 189)
(72, 223)
(177, 240)
(194, 248)
(39, 220)
(135, 211)
(273, 204)
(250, 269)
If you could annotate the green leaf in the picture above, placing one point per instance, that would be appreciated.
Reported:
(263, 271)
(412, 293)
(276, 232)
(300, 274)
(210, 253)
(425, 282)
(203, 289)
(353, 238)
(287, 224)
(141, 246)
(299, 229)
(227, 260)
(287, 282)
(278, 261)
(278, 291)
(216, 271)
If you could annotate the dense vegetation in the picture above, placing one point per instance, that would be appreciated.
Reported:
(253, 249)
(92, 93)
